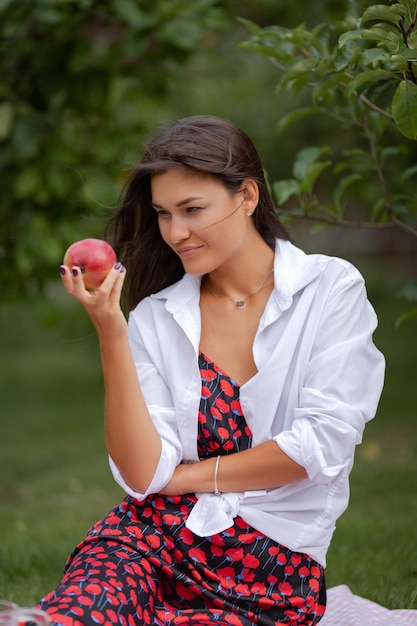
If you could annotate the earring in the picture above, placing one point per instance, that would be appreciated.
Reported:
(249, 213)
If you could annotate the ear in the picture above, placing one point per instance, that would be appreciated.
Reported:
(251, 195)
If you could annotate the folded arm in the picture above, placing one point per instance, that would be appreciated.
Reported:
(263, 467)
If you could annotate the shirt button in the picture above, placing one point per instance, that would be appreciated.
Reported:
(186, 424)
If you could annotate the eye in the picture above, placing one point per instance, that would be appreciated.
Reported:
(162, 213)
(194, 209)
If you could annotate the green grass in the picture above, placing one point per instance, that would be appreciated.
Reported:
(55, 481)
(54, 476)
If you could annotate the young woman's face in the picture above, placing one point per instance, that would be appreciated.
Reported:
(200, 219)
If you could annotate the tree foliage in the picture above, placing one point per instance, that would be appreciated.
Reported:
(80, 82)
(356, 80)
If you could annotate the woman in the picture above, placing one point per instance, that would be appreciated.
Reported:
(234, 398)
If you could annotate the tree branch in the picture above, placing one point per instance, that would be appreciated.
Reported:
(393, 222)
(374, 107)
(330, 221)
(377, 164)
(409, 229)
(405, 33)
(341, 85)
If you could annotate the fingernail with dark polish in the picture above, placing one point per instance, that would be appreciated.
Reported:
(74, 271)
(122, 269)
(62, 270)
(118, 265)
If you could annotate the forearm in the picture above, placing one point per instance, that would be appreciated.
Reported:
(131, 437)
(263, 467)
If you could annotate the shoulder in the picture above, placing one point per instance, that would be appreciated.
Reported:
(302, 269)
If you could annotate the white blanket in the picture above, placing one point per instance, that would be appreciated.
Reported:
(346, 609)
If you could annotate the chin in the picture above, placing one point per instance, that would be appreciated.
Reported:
(200, 266)
(194, 271)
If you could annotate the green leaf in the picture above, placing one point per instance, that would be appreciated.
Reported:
(285, 189)
(296, 116)
(388, 153)
(397, 63)
(301, 66)
(312, 174)
(372, 55)
(410, 6)
(342, 59)
(370, 76)
(324, 86)
(385, 13)
(407, 52)
(251, 26)
(379, 211)
(405, 317)
(350, 35)
(412, 39)
(385, 36)
(305, 158)
(342, 187)
(404, 109)
(358, 157)
(409, 172)
(317, 228)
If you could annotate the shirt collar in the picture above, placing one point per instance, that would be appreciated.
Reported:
(293, 270)
(180, 293)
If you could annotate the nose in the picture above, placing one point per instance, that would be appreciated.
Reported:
(175, 230)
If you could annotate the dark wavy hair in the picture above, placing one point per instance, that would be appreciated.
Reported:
(205, 144)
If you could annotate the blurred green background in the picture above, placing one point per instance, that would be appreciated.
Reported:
(82, 84)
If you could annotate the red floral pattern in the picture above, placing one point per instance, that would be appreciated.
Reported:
(141, 565)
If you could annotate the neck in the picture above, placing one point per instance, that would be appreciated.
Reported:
(238, 297)
(244, 272)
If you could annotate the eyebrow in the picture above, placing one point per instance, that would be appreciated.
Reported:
(180, 203)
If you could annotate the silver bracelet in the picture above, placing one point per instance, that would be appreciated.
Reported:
(216, 469)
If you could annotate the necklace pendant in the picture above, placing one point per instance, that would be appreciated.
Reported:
(240, 304)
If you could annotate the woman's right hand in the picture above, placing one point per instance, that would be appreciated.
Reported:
(102, 304)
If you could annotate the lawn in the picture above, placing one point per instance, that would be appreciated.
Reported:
(55, 481)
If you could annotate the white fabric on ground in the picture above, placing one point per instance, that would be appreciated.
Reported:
(346, 609)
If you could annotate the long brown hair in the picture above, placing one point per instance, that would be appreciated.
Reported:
(204, 144)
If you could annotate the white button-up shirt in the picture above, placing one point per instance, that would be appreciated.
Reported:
(319, 381)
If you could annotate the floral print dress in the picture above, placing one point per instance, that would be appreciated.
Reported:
(142, 565)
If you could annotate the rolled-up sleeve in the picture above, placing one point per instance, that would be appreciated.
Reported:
(342, 384)
(160, 405)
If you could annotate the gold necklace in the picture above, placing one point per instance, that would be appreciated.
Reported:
(241, 302)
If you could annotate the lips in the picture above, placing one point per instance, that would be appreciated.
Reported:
(187, 251)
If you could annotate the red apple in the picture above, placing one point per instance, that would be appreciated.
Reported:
(94, 257)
